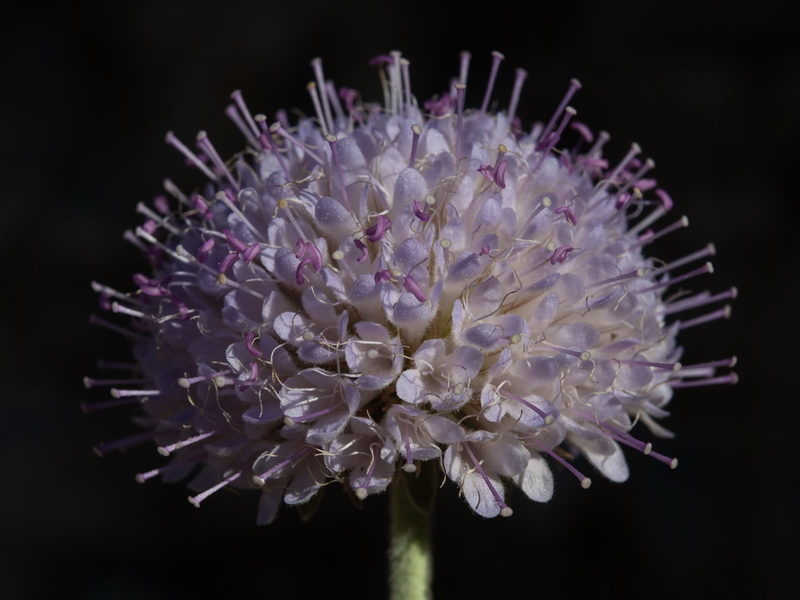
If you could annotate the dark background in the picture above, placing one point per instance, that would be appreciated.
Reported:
(710, 91)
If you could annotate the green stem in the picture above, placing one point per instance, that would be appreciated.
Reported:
(410, 555)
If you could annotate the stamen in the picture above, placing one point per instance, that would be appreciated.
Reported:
(361, 246)
(235, 243)
(416, 131)
(706, 268)
(725, 362)
(187, 382)
(196, 500)
(574, 86)
(191, 156)
(631, 275)
(497, 58)
(236, 96)
(316, 65)
(377, 231)
(260, 480)
(585, 481)
(418, 212)
(729, 379)
(207, 147)
(460, 90)
(709, 250)
(464, 67)
(548, 418)
(410, 284)
(650, 237)
(505, 510)
(568, 214)
(722, 313)
(331, 139)
(672, 462)
(248, 343)
(521, 75)
(205, 249)
(117, 393)
(560, 254)
(698, 300)
(676, 366)
(312, 91)
(382, 275)
(167, 450)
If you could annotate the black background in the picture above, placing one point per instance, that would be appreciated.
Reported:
(710, 91)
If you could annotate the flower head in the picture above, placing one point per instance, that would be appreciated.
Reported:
(378, 286)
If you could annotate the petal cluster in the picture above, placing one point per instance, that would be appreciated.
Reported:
(382, 285)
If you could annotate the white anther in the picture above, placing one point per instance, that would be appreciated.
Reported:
(586, 483)
(516, 338)
(430, 200)
(361, 493)
(551, 246)
(308, 336)
(445, 243)
(372, 353)
(337, 255)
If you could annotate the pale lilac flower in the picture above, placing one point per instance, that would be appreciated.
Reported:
(378, 286)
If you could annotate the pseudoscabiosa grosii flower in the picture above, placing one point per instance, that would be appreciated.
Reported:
(381, 285)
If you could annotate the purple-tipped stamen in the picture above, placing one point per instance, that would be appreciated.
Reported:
(560, 254)
(376, 232)
(505, 510)
(410, 284)
(568, 214)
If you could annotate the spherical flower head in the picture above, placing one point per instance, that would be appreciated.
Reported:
(378, 286)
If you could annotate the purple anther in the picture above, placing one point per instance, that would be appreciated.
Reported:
(418, 212)
(560, 255)
(314, 255)
(228, 262)
(376, 232)
(150, 287)
(413, 287)
(201, 206)
(582, 129)
(484, 250)
(500, 174)
(248, 343)
(382, 275)
(160, 202)
(183, 310)
(202, 254)
(622, 200)
(234, 241)
(568, 214)
(251, 252)
(381, 59)
(547, 142)
(361, 246)
(150, 226)
(666, 201)
(349, 97)
(439, 106)
(301, 248)
(599, 163)
(645, 185)
(298, 275)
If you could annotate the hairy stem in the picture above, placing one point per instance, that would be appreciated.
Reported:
(410, 552)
